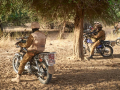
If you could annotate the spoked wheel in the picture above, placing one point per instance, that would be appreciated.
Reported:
(16, 63)
(84, 50)
(107, 51)
(43, 75)
(118, 42)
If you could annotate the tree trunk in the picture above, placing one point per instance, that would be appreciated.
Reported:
(78, 35)
(1, 29)
(62, 30)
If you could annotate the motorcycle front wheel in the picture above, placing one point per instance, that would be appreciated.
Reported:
(84, 50)
(118, 42)
(16, 63)
(107, 51)
(43, 75)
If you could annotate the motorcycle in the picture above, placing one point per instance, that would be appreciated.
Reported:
(116, 32)
(117, 41)
(39, 64)
(105, 48)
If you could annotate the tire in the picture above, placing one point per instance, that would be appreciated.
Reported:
(16, 63)
(118, 42)
(84, 50)
(110, 49)
(43, 67)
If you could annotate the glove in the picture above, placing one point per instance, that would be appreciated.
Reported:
(17, 43)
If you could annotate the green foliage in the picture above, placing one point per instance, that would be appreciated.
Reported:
(104, 10)
(22, 11)
(15, 12)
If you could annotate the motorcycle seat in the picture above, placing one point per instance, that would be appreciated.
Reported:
(105, 42)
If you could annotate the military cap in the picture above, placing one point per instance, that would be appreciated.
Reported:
(35, 25)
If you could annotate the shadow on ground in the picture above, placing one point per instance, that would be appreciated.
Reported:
(85, 76)
(99, 57)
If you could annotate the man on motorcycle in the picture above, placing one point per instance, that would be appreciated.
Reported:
(117, 26)
(100, 35)
(35, 44)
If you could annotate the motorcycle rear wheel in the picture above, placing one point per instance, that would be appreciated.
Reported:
(16, 63)
(43, 76)
(108, 51)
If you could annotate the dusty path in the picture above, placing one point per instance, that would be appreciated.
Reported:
(97, 74)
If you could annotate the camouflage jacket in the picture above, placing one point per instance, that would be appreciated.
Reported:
(35, 42)
(100, 35)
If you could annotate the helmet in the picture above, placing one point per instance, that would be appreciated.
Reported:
(35, 25)
(99, 25)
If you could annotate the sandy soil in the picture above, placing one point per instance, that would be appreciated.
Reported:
(97, 74)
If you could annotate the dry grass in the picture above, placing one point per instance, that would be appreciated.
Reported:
(109, 33)
(111, 36)
(6, 41)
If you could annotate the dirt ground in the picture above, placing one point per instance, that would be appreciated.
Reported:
(97, 74)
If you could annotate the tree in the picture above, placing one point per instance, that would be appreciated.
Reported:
(62, 30)
(89, 9)
(79, 9)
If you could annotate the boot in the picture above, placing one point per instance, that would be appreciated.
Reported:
(90, 57)
(17, 79)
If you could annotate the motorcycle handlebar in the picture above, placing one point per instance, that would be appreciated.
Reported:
(87, 34)
(91, 33)
(21, 38)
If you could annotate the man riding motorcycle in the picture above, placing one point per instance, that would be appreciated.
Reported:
(117, 27)
(35, 44)
(98, 36)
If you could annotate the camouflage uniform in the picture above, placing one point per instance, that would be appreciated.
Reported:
(100, 36)
(34, 46)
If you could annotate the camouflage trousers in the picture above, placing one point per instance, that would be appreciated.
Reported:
(27, 57)
(94, 46)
